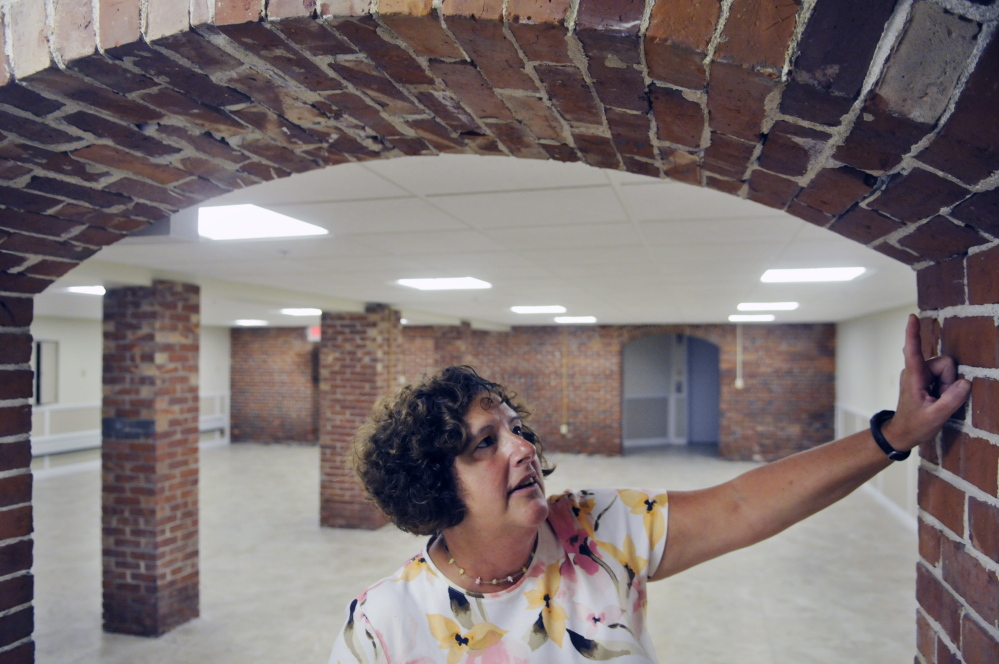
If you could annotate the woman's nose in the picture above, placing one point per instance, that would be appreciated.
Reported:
(524, 450)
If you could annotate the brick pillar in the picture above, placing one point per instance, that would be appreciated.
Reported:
(359, 359)
(149, 457)
(16, 582)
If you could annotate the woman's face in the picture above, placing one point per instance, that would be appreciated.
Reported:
(499, 473)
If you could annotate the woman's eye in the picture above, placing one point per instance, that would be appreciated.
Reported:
(518, 430)
(484, 443)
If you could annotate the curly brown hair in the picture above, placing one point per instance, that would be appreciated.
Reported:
(405, 454)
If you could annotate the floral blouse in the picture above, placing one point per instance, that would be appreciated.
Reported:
(583, 597)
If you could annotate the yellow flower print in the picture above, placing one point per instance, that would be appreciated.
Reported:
(627, 556)
(414, 568)
(582, 509)
(553, 616)
(651, 510)
(448, 632)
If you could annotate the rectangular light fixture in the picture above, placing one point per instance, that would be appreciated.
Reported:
(249, 222)
(445, 283)
(767, 306)
(570, 320)
(87, 290)
(302, 312)
(250, 322)
(751, 318)
(541, 309)
(812, 274)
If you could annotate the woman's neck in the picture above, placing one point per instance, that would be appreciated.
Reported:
(474, 560)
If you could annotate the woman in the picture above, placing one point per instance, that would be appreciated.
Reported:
(509, 575)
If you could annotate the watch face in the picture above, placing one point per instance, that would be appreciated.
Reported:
(898, 456)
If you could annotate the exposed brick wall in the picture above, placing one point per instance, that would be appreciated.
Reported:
(16, 581)
(149, 458)
(786, 406)
(273, 386)
(172, 110)
(359, 359)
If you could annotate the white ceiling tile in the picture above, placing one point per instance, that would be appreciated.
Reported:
(546, 207)
(430, 243)
(774, 230)
(373, 216)
(335, 183)
(556, 237)
(676, 200)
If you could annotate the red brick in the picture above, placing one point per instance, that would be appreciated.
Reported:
(18, 96)
(757, 34)
(423, 33)
(269, 46)
(15, 489)
(16, 591)
(984, 397)
(570, 93)
(237, 11)
(290, 8)
(736, 100)
(119, 22)
(22, 654)
(195, 47)
(866, 226)
(36, 224)
(619, 16)
(977, 645)
(727, 186)
(918, 195)
(15, 421)
(879, 139)
(968, 145)
(929, 333)
(514, 138)
(41, 159)
(980, 211)
(771, 190)
(788, 148)
(978, 586)
(938, 602)
(205, 145)
(119, 134)
(728, 156)
(973, 459)
(929, 543)
(16, 312)
(983, 277)
(679, 120)
(53, 269)
(614, 61)
(972, 341)
(488, 47)
(110, 73)
(542, 42)
(200, 116)
(926, 639)
(533, 113)
(596, 150)
(939, 239)
(803, 100)
(560, 152)
(87, 195)
(531, 12)
(77, 88)
(16, 626)
(835, 190)
(16, 348)
(16, 522)
(18, 199)
(943, 500)
(630, 132)
(983, 527)
(941, 285)
(901, 255)
(391, 58)
(382, 91)
(32, 130)
(677, 40)
(278, 155)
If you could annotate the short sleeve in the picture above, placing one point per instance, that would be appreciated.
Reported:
(356, 643)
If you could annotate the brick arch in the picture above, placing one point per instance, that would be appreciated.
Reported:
(114, 115)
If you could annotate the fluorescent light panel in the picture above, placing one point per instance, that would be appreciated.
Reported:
(570, 320)
(751, 318)
(445, 283)
(812, 274)
(767, 306)
(302, 312)
(542, 309)
(248, 222)
(250, 322)
(87, 290)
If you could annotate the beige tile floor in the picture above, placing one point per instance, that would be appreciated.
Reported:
(837, 588)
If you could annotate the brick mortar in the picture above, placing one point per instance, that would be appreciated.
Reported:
(968, 609)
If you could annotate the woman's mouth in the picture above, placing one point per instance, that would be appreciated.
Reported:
(526, 484)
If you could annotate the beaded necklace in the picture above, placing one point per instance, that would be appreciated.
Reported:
(509, 578)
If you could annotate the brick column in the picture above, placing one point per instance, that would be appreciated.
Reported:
(359, 357)
(149, 457)
(16, 582)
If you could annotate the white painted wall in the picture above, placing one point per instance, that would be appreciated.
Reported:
(214, 362)
(868, 362)
(80, 351)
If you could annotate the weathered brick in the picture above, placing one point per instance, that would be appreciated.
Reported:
(929, 333)
(94, 197)
(984, 397)
(977, 645)
(15, 489)
(980, 211)
(119, 22)
(288, 160)
(50, 161)
(978, 586)
(109, 155)
(58, 82)
(496, 57)
(682, 166)
(534, 114)
(757, 34)
(290, 8)
(973, 459)
(163, 196)
(918, 195)
(865, 226)
(929, 543)
(16, 591)
(165, 18)
(941, 285)
(736, 101)
(938, 602)
(110, 73)
(802, 100)
(983, 527)
(193, 46)
(630, 132)
(926, 639)
(677, 40)
(560, 152)
(983, 277)
(237, 11)
(515, 138)
(18, 199)
(438, 135)
(609, 15)
(899, 254)
(267, 45)
(28, 46)
(422, 32)
(728, 186)
(275, 126)
(466, 83)
(18, 96)
(942, 500)
(570, 93)
(728, 156)
(531, 12)
(52, 269)
(16, 626)
(972, 341)
(614, 63)
(121, 135)
(788, 148)
(968, 145)
(16, 348)
(771, 190)
(939, 239)
(204, 143)
(879, 139)
(382, 91)
(596, 150)
(542, 42)
(678, 119)
(31, 130)
(835, 190)
(391, 58)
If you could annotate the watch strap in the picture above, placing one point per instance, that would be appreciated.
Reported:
(877, 420)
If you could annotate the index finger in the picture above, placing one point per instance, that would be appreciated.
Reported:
(913, 349)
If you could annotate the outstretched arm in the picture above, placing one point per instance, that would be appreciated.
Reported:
(707, 523)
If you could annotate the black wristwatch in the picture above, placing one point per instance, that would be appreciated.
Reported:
(876, 421)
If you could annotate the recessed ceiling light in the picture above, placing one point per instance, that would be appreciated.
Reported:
(446, 283)
(249, 322)
(812, 274)
(302, 312)
(542, 309)
(87, 290)
(569, 320)
(751, 318)
(247, 222)
(404, 321)
(767, 306)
